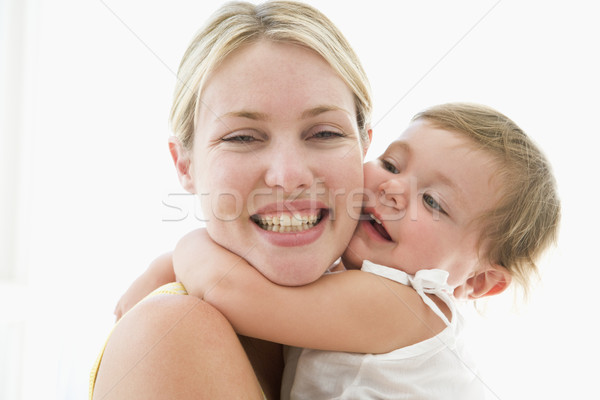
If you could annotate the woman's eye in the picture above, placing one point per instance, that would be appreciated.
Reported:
(388, 166)
(432, 203)
(327, 134)
(239, 138)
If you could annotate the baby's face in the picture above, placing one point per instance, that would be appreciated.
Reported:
(422, 198)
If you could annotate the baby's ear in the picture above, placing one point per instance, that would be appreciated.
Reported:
(493, 279)
(183, 163)
(488, 282)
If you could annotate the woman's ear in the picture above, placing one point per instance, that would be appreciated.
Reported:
(368, 144)
(493, 280)
(183, 163)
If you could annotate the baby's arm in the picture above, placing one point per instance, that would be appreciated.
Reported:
(351, 311)
(159, 272)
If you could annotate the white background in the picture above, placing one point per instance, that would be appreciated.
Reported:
(86, 90)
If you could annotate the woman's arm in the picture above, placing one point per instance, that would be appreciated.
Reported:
(159, 272)
(351, 311)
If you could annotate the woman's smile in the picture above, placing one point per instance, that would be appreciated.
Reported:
(287, 223)
(288, 230)
(293, 223)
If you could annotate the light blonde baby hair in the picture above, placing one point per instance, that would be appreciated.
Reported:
(525, 220)
(238, 23)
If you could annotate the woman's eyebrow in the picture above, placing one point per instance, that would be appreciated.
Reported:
(259, 116)
(318, 110)
(254, 115)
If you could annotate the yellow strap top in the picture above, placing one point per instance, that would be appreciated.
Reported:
(169, 288)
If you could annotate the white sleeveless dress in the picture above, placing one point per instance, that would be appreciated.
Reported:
(436, 368)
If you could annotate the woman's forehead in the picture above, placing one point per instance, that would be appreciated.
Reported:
(267, 78)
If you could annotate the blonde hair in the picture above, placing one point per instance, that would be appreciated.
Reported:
(238, 23)
(525, 220)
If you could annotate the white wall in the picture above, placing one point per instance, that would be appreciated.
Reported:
(88, 165)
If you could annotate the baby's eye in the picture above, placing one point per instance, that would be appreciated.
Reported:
(388, 166)
(432, 203)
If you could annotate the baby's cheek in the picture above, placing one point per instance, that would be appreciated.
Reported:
(426, 240)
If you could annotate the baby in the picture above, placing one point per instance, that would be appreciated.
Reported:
(459, 206)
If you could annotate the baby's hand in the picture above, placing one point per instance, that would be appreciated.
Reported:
(160, 272)
(197, 262)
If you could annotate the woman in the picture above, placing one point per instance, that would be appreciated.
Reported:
(271, 114)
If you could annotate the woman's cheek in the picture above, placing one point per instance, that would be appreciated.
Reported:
(349, 181)
(226, 205)
(226, 190)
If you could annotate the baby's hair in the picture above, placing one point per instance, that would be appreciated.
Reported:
(525, 220)
(239, 23)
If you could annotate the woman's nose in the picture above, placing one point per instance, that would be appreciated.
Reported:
(288, 168)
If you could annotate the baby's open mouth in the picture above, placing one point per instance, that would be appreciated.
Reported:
(378, 226)
(288, 223)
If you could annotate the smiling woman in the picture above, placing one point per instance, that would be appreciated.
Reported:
(270, 121)
(289, 144)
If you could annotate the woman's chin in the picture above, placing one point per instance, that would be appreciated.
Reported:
(290, 273)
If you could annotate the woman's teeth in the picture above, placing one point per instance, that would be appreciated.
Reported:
(286, 223)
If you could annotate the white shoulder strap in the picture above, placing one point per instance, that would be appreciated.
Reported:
(425, 281)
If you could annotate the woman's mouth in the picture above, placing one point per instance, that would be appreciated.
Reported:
(378, 226)
(288, 223)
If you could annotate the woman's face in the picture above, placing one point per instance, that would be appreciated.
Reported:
(277, 159)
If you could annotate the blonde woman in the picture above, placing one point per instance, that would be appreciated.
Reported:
(271, 112)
